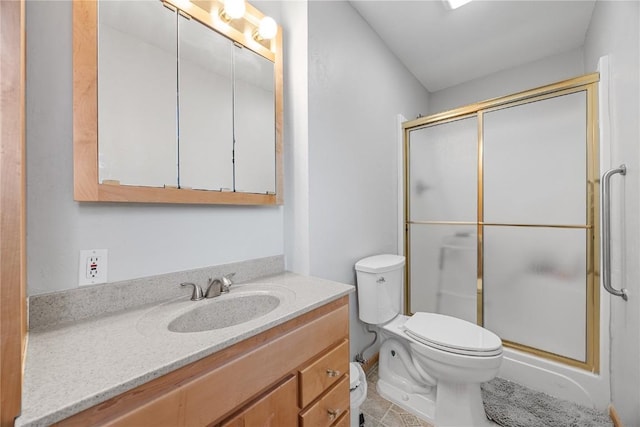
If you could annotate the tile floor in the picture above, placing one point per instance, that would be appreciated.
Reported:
(379, 412)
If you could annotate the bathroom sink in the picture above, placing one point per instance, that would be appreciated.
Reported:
(223, 312)
(245, 307)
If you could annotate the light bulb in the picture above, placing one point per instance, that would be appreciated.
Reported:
(268, 28)
(183, 4)
(454, 4)
(234, 9)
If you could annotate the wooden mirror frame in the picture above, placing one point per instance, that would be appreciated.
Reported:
(86, 187)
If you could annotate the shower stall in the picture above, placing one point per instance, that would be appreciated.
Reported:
(502, 224)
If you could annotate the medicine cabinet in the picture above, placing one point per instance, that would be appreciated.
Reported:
(173, 103)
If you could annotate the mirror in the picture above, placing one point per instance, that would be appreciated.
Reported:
(173, 102)
(205, 89)
(254, 122)
(137, 94)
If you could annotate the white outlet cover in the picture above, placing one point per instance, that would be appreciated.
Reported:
(92, 268)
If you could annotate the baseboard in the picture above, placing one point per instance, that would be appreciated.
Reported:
(370, 363)
(615, 418)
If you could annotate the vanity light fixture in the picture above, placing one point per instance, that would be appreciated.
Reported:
(266, 30)
(232, 9)
(454, 4)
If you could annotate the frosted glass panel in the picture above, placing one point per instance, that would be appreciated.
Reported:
(137, 130)
(535, 287)
(443, 171)
(443, 271)
(535, 162)
(206, 114)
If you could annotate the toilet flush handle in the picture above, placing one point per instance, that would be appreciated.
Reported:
(381, 280)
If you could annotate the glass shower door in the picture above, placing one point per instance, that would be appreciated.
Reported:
(442, 218)
(536, 228)
(501, 208)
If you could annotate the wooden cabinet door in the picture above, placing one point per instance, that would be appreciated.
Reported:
(277, 408)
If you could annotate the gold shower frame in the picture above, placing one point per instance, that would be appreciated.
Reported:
(589, 84)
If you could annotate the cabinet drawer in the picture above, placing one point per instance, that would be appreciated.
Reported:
(322, 373)
(329, 408)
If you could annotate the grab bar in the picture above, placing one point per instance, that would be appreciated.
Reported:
(606, 231)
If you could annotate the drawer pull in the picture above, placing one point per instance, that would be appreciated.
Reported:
(333, 413)
(332, 373)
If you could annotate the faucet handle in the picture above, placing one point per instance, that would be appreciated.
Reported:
(197, 291)
(214, 288)
(227, 282)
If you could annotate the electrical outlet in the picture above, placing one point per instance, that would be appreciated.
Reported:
(93, 267)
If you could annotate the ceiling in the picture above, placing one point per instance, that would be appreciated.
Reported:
(443, 47)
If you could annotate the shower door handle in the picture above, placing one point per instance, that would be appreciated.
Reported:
(606, 231)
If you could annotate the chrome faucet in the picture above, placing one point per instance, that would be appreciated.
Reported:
(197, 291)
(227, 282)
(214, 288)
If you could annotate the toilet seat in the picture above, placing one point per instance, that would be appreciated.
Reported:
(452, 335)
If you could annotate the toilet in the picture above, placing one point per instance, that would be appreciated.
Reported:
(430, 364)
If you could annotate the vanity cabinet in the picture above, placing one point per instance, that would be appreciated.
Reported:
(295, 373)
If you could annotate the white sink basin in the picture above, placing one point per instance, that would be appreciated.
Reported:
(223, 312)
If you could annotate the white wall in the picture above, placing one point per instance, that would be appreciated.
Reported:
(296, 136)
(528, 76)
(142, 239)
(356, 89)
(614, 31)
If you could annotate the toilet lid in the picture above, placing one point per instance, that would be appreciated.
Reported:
(452, 334)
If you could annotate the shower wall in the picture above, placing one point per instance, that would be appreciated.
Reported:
(615, 31)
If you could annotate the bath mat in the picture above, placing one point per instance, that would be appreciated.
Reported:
(512, 405)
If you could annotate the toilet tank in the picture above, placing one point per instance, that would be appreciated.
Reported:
(379, 287)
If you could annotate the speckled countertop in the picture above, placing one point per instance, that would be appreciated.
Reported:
(77, 365)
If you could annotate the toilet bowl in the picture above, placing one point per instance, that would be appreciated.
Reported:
(454, 368)
(430, 364)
